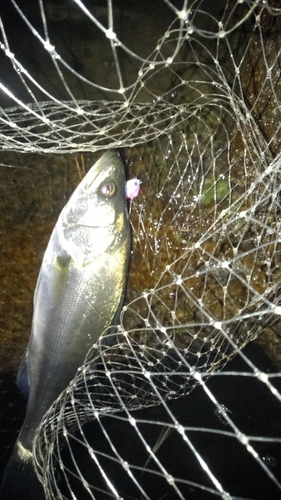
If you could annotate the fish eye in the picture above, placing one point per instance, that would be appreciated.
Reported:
(108, 189)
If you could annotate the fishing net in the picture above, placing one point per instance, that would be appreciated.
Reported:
(182, 405)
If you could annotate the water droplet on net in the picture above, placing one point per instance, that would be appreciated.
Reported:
(221, 413)
(269, 461)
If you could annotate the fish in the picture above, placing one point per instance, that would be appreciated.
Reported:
(78, 298)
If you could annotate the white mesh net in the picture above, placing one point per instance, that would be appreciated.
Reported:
(190, 90)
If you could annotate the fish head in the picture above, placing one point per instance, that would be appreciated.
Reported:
(95, 219)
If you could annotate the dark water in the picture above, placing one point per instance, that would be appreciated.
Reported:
(12, 412)
(253, 409)
(248, 403)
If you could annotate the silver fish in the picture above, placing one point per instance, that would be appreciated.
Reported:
(79, 293)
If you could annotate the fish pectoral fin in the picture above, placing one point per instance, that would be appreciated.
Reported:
(59, 278)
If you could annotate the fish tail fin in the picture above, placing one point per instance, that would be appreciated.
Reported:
(20, 481)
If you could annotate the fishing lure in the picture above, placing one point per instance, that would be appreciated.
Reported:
(132, 188)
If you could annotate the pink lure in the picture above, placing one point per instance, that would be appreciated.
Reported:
(132, 188)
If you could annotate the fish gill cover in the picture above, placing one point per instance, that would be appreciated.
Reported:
(183, 405)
